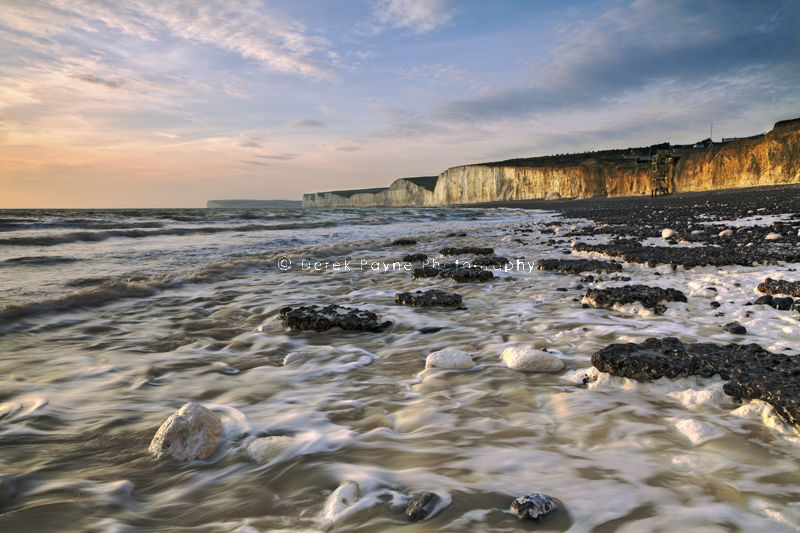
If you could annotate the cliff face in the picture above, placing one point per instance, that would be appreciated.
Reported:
(769, 159)
(402, 192)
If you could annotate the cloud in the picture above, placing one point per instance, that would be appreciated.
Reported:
(165, 134)
(650, 43)
(279, 157)
(90, 78)
(417, 16)
(306, 123)
(248, 141)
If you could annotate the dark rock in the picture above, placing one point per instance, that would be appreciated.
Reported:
(715, 304)
(751, 371)
(428, 298)
(421, 505)
(783, 304)
(779, 286)
(764, 300)
(688, 257)
(403, 242)
(462, 274)
(648, 296)
(415, 258)
(587, 279)
(321, 318)
(626, 278)
(429, 329)
(576, 266)
(467, 250)
(425, 272)
(735, 328)
(491, 261)
(458, 234)
(534, 506)
(561, 289)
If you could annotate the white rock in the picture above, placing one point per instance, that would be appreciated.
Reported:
(692, 398)
(773, 237)
(697, 432)
(798, 233)
(726, 234)
(295, 357)
(265, 449)
(527, 360)
(190, 434)
(449, 358)
(339, 501)
(667, 233)
(697, 232)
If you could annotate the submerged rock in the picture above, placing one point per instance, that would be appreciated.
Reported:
(265, 449)
(428, 298)
(534, 506)
(421, 505)
(415, 258)
(321, 318)
(457, 273)
(449, 358)
(425, 272)
(649, 297)
(527, 360)
(191, 433)
(491, 261)
(466, 250)
(752, 373)
(779, 286)
(340, 500)
(403, 242)
(576, 266)
(695, 431)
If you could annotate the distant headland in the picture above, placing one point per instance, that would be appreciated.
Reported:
(771, 158)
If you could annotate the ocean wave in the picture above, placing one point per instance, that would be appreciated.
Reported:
(38, 260)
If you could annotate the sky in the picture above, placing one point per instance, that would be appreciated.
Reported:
(170, 103)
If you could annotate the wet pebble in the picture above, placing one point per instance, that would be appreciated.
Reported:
(534, 506)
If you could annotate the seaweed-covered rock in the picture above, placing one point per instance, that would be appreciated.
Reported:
(687, 257)
(491, 261)
(425, 272)
(466, 250)
(421, 505)
(415, 258)
(403, 242)
(466, 274)
(534, 506)
(650, 297)
(751, 371)
(428, 298)
(779, 286)
(190, 434)
(321, 318)
(576, 266)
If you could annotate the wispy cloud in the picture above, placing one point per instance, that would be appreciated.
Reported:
(306, 123)
(416, 16)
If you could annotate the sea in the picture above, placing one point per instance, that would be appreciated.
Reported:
(111, 320)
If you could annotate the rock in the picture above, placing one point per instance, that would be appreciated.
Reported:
(576, 266)
(779, 286)
(339, 501)
(715, 305)
(462, 274)
(783, 304)
(764, 300)
(668, 233)
(403, 242)
(415, 258)
(490, 261)
(321, 318)
(295, 357)
(773, 237)
(265, 449)
(753, 373)
(191, 433)
(429, 329)
(428, 298)
(725, 234)
(695, 431)
(449, 358)
(735, 328)
(649, 297)
(633, 252)
(466, 250)
(421, 505)
(534, 506)
(526, 360)
(425, 272)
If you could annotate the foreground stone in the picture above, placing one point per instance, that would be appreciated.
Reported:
(527, 360)
(466, 250)
(340, 501)
(779, 286)
(534, 506)
(428, 298)
(576, 266)
(449, 358)
(752, 372)
(735, 328)
(322, 318)
(190, 434)
(421, 505)
(649, 297)
(459, 274)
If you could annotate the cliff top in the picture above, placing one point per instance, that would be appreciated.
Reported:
(351, 192)
(426, 182)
